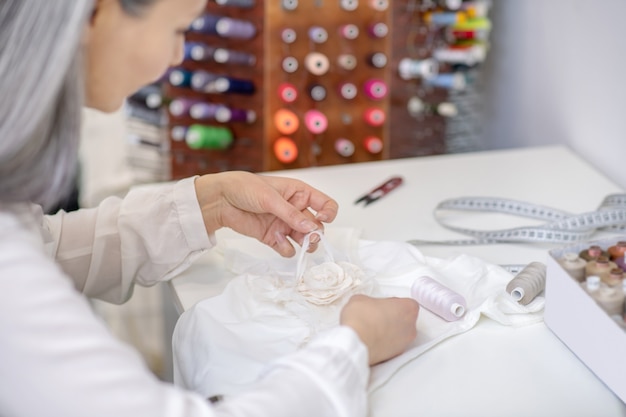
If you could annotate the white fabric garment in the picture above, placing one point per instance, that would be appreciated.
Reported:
(253, 329)
(58, 359)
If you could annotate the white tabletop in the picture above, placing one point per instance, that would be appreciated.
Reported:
(492, 370)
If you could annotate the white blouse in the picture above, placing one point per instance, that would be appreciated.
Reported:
(58, 359)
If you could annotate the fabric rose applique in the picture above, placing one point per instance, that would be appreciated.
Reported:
(328, 282)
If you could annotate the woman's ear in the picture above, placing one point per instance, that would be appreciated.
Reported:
(100, 9)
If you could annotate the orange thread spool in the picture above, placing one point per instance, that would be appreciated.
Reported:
(286, 121)
(285, 150)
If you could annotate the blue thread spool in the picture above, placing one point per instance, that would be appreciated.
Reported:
(454, 81)
(180, 78)
(205, 24)
(198, 51)
(201, 80)
(227, 56)
(232, 85)
(227, 27)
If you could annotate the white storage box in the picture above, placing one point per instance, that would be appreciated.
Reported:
(587, 330)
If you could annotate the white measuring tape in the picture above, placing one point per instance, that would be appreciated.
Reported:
(560, 227)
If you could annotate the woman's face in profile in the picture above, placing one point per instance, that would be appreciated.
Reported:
(125, 52)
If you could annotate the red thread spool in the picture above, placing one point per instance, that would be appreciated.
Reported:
(373, 144)
(374, 116)
(315, 121)
(287, 92)
(285, 150)
(286, 121)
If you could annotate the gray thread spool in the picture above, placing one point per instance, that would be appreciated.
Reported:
(528, 283)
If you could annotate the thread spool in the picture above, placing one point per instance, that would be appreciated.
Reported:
(600, 267)
(378, 30)
(347, 62)
(610, 299)
(317, 92)
(373, 144)
(290, 64)
(375, 89)
(286, 121)
(287, 92)
(315, 121)
(316, 63)
(379, 5)
(617, 251)
(348, 91)
(592, 253)
(616, 277)
(349, 31)
(243, 4)
(349, 5)
(318, 34)
(227, 56)
(344, 147)
(528, 284)
(230, 85)
(288, 35)
(290, 5)
(198, 51)
(205, 24)
(180, 78)
(208, 137)
(201, 80)
(178, 133)
(203, 111)
(226, 115)
(445, 18)
(149, 96)
(438, 299)
(621, 262)
(180, 107)
(574, 265)
(377, 60)
(374, 116)
(285, 150)
(409, 69)
(454, 81)
(228, 27)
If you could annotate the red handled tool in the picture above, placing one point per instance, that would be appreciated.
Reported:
(380, 191)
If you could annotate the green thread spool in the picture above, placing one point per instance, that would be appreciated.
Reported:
(208, 137)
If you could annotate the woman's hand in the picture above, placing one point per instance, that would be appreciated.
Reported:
(264, 207)
(385, 325)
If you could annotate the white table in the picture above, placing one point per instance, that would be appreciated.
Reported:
(492, 370)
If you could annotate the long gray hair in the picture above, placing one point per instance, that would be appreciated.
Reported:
(42, 94)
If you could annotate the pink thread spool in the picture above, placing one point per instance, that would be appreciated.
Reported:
(349, 31)
(373, 144)
(344, 147)
(378, 30)
(375, 89)
(315, 121)
(348, 91)
(438, 298)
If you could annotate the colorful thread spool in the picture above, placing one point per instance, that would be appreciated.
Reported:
(316, 63)
(287, 92)
(438, 299)
(226, 115)
(208, 137)
(344, 147)
(349, 31)
(348, 91)
(379, 5)
(244, 4)
(617, 251)
(180, 78)
(227, 27)
(205, 24)
(592, 252)
(378, 30)
(288, 35)
(374, 116)
(285, 150)
(621, 262)
(180, 107)
(454, 81)
(318, 34)
(377, 60)
(290, 64)
(203, 111)
(445, 18)
(150, 96)
(375, 89)
(373, 144)
(201, 80)
(317, 92)
(198, 51)
(347, 62)
(227, 56)
(528, 284)
(315, 121)
(231, 85)
(286, 121)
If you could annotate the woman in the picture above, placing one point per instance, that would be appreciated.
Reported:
(57, 359)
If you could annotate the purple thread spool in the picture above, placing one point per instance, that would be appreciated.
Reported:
(205, 24)
(227, 56)
(231, 28)
(318, 34)
(198, 51)
(242, 4)
(375, 89)
(438, 298)
(201, 80)
(378, 30)
(226, 115)
(203, 111)
(180, 107)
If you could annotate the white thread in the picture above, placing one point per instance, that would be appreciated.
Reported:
(438, 298)
(528, 284)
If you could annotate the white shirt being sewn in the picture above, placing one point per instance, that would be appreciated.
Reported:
(58, 359)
